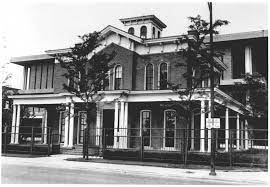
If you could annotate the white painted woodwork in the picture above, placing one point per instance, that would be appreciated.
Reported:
(17, 124)
(66, 126)
(13, 128)
(71, 125)
(202, 134)
(237, 132)
(227, 129)
(116, 111)
(192, 131)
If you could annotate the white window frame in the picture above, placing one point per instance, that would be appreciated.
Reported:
(79, 125)
(164, 131)
(145, 76)
(150, 142)
(159, 72)
(114, 76)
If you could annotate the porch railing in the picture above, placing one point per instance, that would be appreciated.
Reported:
(233, 147)
(29, 139)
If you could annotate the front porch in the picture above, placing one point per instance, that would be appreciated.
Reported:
(141, 123)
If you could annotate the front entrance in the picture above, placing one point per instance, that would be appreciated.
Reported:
(108, 126)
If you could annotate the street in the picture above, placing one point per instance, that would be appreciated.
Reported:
(44, 170)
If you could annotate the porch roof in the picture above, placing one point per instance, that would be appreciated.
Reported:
(134, 96)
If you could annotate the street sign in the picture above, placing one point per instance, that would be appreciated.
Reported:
(212, 123)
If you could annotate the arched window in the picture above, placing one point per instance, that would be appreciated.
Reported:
(143, 32)
(158, 34)
(163, 76)
(118, 77)
(131, 30)
(154, 32)
(149, 77)
(169, 128)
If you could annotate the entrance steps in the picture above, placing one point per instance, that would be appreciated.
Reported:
(75, 150)
(78, 150)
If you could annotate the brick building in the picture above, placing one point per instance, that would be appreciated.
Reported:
(143, 59)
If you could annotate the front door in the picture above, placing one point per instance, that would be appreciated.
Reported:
(108, 126)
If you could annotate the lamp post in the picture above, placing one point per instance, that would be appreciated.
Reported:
(213, 130)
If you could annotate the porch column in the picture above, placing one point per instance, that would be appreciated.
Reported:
(98, 125)
(13, 127)
(66, 126)
(125, 126)
(71, 125)
(13, 124)
(192, 131)
(242, 134)
(116, 115)
(246, 134)
(121, 130)
(17, 124)
(45, 127)
(237, 132)
(209, 130)
(227, 130)
(202, 135)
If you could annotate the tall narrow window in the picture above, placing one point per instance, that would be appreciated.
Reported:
(106, 81)
(169, 126)
(146, 127)
(118, 77)
(62, 126)
(131, 30)
(143, 32)
(82, 125)
(149, 77)
(163, 76)
(154, 32)
(27, 83)
(158, 34)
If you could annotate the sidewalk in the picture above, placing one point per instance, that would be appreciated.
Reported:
(127, 167)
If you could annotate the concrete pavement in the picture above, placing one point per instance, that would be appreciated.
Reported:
(60, 162)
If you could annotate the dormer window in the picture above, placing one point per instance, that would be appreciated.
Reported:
(143, 32)
(131, 30)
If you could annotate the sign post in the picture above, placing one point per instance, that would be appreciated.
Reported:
(212, 123)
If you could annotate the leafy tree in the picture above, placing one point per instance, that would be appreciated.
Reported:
(86, 71)
(255, 86)
(197, 64)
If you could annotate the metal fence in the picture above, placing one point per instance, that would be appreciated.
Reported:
(29, 139)
(183, 146)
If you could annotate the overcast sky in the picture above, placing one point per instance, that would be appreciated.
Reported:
(31, 27)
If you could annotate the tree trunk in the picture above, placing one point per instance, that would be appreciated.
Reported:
(187, 137)
(87, 130)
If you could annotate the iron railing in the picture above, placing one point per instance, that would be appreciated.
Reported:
(245, 147)
(29, 139)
